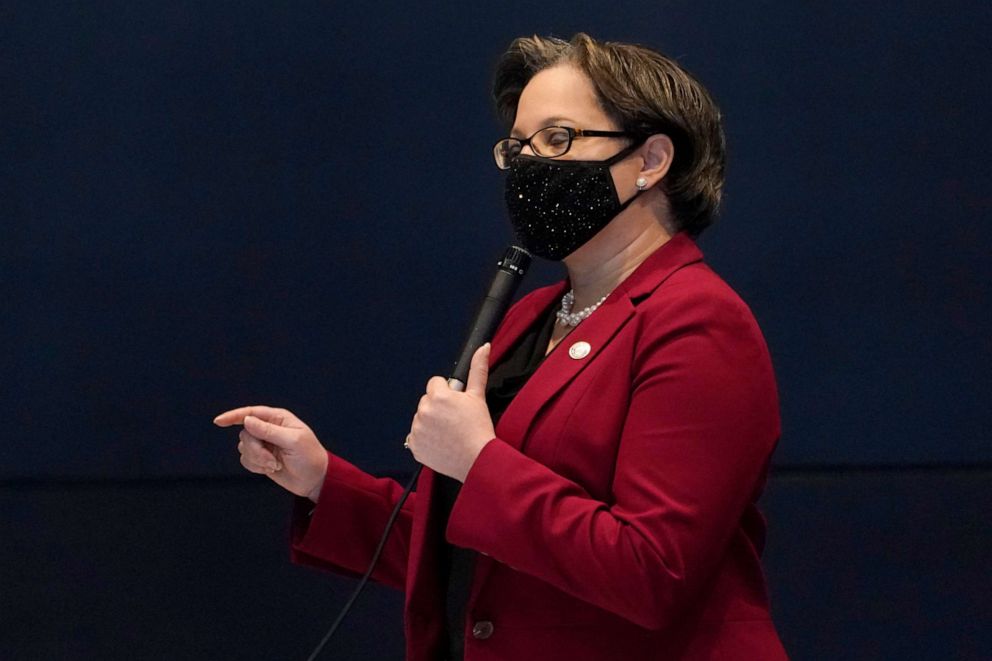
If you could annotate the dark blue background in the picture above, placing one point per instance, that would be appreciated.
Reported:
(209, 204)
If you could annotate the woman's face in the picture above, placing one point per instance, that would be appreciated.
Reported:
(564, 96)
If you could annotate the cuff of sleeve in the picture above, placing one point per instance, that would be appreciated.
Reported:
(316, 531)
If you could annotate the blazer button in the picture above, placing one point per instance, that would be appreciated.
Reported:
(482, 630)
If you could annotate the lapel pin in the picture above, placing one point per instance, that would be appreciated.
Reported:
(579, 350)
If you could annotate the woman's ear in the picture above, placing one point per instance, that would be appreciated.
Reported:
(658, 153)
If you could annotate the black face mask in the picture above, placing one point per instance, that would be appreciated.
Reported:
(555, 206)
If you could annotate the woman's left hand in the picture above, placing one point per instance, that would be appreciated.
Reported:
(450, 427)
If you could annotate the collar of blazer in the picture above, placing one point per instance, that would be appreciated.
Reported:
(559, 368)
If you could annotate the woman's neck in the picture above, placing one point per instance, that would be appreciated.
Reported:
(595, 269)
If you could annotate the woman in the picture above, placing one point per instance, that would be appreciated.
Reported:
(594, 497)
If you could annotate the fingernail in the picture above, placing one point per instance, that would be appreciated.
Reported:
(273, 467)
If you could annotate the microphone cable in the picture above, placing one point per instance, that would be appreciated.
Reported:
(368, 572)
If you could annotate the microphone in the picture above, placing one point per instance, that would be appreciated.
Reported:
(509, 274)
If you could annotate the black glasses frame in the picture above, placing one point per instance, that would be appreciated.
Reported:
(573, 133)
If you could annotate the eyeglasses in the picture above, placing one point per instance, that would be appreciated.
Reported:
(549, 142)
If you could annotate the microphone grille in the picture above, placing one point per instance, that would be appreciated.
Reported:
(515, 260)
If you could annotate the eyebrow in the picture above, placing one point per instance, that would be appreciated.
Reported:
(550, 121)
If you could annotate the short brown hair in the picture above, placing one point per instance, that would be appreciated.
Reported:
(645, 93)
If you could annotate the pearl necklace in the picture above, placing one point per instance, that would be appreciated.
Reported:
(568, 318)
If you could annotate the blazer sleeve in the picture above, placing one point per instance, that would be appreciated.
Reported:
(702, 422)
(341, 533)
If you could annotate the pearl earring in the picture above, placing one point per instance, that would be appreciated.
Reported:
(641, 183)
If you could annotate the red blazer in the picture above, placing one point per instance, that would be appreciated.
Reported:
(615, 509)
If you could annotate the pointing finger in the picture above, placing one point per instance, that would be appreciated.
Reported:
(281, 417)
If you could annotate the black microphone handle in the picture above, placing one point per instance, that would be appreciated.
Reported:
(504, 285)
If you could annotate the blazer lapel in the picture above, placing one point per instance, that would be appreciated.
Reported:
(563, 364)
(559, 367)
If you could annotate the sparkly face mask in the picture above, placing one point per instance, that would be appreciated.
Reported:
(555, 206)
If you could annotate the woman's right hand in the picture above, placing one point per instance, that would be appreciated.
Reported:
(276, 443)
